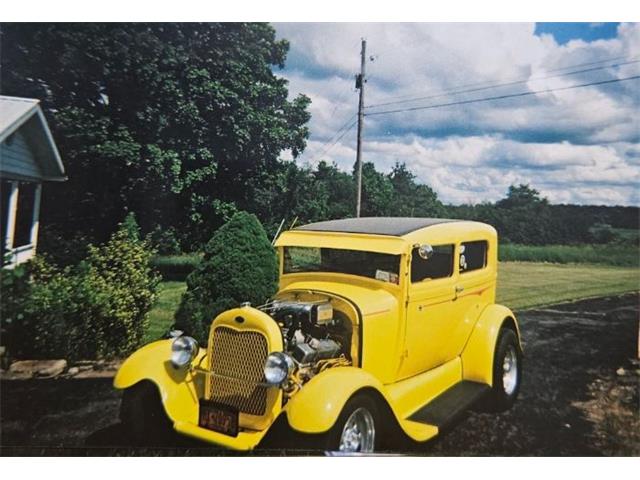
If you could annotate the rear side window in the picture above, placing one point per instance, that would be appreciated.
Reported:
(440, 265)
(473, 256)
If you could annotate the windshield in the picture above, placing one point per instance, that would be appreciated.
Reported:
(381, 266)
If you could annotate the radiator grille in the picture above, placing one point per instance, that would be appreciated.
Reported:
(237, 365)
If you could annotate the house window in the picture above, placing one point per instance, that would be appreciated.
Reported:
(24, 217)
(473, 256)
(440, 265)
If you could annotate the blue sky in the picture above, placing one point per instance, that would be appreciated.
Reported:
(565, 32)
(575, 145)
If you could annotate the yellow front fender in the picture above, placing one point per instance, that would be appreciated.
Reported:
(179, 388)
(477, 356)
(316, 407)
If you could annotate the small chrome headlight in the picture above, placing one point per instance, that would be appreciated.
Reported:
(278, 367)
(183, 351)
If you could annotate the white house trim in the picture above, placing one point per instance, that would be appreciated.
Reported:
(12, 207)
(35, 221)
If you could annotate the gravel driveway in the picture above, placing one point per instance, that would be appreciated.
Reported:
(579, 396)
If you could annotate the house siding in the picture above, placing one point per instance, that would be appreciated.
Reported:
(17, 159)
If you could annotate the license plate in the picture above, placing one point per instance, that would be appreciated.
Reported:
(219, 418)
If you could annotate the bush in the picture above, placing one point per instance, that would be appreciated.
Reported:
(612, 254)
(239, 265)
(62, 250)
(96, 309)
(601, 233)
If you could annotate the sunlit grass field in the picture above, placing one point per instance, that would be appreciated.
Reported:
(520, 285)
(527, 284)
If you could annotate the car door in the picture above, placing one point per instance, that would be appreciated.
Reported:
(474, 287)
(429, 317)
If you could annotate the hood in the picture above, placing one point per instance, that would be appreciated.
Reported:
(368, 299)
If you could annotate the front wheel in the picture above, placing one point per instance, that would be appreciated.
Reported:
(358, 428)
(507, 371)
(143, 415)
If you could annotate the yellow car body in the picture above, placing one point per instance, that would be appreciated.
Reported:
(412, 340)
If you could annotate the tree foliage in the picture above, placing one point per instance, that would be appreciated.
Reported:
(163, 120)
(239, 265)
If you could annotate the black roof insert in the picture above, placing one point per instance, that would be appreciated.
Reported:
(392, 226)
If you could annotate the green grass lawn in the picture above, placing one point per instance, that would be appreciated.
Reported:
(161, 316)
(520, 285)
(527, 284)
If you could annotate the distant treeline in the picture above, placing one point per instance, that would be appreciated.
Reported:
(524, 217)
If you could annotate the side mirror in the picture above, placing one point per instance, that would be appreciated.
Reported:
(425, 251)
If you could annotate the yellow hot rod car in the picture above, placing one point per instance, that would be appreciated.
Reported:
(379, 324)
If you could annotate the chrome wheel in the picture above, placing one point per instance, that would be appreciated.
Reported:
(510, 371)
(359, 433)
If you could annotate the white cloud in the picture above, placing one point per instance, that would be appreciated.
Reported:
(577, 145)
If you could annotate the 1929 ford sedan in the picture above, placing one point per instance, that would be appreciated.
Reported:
(379, 324)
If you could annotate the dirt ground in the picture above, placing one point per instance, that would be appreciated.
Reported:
(579, 396)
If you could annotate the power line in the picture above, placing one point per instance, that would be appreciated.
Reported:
(502, 97)
(517, 82)
(328, 149)
(622, 57)
(337, 132)
(475, 84)
(579, 65)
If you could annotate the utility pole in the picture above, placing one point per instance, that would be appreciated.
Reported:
(360, 81)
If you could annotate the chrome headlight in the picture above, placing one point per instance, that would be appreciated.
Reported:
(183, 351)
(278, 367)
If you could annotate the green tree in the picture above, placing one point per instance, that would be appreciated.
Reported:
(522, 196)
(411, 199)
(377, 192)
(239, 265)
(525, 217)
(308, 194)
(288, 192)
(340, 188)
(160, 119)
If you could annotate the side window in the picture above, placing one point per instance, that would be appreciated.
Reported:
(473, 256)
(440, 265)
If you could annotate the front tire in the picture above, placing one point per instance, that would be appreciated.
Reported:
(507, 371)
(143, 416)
(358, 428)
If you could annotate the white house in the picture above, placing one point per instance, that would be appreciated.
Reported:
(28, 157)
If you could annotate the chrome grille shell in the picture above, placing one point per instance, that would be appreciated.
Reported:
(240, 340)
(237, 367)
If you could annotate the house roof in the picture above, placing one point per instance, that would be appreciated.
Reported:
(26, 114)
(392, 226)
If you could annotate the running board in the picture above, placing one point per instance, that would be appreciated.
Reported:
(449, 405)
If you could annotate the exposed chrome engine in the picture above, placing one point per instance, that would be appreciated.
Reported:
(315, 335)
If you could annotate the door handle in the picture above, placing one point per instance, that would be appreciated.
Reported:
(459, 289)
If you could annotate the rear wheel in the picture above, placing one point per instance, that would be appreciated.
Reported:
(507, 371)
(143, 415)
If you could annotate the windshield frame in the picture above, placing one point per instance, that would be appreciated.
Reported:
(381, 278)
